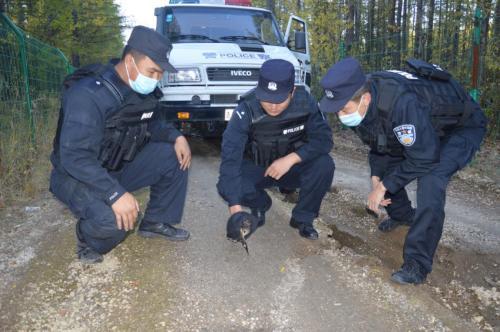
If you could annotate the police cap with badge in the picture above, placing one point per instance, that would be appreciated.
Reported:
(276, 81)
(153, 44)
(340, 83)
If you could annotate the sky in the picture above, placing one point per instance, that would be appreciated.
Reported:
(139, 12)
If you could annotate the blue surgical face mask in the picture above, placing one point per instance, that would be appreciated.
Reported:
(142, 84)
(353, 119)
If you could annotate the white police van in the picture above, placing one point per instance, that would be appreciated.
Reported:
(218, 49)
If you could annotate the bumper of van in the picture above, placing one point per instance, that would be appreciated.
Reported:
(195, 113)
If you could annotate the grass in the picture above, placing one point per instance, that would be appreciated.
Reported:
(24, 166)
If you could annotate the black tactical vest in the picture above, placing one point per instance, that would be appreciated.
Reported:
(450, 105)
(126, 130)
(271, 137)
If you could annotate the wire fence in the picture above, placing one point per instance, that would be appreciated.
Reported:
(31, 73)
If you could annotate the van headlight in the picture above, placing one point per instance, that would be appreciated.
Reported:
(185, 75)
(298, 76)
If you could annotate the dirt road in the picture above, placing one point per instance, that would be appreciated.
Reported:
(339, 283)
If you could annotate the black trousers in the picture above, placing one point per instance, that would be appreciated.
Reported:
(155, 166)
(313, 178)
(425, 232)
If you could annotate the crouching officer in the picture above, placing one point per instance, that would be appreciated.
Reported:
(420, 125)
(277, 137)
(111, 142)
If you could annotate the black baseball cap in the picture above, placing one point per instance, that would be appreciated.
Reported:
(276, 81)
(153, 44)
(340, 83)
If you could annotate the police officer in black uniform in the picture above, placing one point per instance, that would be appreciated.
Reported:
(420, 125)
(110, 142)
(277, 137)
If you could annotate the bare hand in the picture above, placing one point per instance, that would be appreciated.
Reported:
(376, 198)
(234, 209)
(375, 182)
(183, 152)
(282, 165)
(126, 209)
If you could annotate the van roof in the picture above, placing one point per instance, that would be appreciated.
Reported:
(215, 6)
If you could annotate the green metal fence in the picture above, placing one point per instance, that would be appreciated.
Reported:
(31, 73)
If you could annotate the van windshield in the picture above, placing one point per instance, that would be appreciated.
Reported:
(220, 25)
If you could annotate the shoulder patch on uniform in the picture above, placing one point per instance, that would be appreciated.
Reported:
(406, 134)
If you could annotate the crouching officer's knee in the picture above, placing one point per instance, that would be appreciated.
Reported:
(100, 231)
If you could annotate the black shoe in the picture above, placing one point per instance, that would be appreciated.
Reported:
(305, 230)
(294, 223)
(166, 231)
(261, 213)
(86, 254)
(410, 273)
(388, 225)
(308, 232)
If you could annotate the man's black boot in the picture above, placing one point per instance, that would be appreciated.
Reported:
(410, 273)
(149, 229)
(86, 254)
(389, 224)
(305, 230)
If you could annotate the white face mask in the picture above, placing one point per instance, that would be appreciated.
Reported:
(353, 119)
(142, 84)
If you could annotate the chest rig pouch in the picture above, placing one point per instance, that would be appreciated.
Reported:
(450, 105)
(271, 137)
(127, 131)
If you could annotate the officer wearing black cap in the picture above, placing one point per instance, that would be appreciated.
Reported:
(419, 124)
(277, 137)
(110, 142)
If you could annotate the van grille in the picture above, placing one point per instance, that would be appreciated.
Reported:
(223, 99)
(233, 74)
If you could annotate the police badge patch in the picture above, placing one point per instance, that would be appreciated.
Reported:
(405, 134)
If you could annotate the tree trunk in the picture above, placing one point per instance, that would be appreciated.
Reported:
(404, 27)
(349, 37)
(357, 21)
(392, 28)
(417, 49)
(430, 26)
(369, 38)
(486, 7)
(270, 5)
(496, 23)
(397, 54)
(456, 33)
(75, 57)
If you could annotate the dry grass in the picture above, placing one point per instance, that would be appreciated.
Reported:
(24, 166)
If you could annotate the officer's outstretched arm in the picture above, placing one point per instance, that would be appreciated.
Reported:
(234, 141)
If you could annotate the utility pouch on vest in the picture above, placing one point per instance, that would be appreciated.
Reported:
(122, 145)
